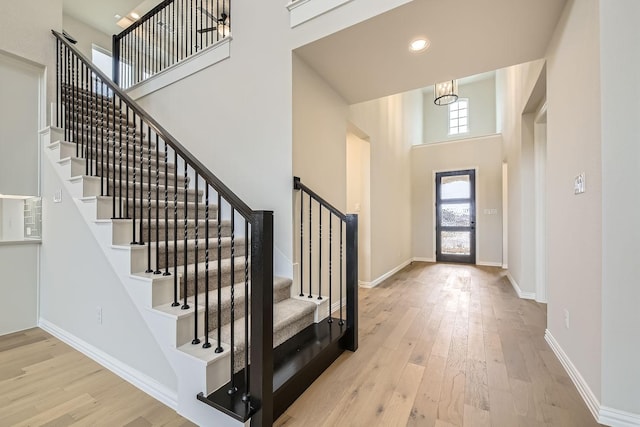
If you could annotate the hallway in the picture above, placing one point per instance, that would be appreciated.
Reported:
(445, 345)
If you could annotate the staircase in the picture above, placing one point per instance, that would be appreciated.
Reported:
(194, 258)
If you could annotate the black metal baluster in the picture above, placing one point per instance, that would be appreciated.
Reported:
(320, 251)
(219, 311)
(191, 28)
(301, 275)
(330, 261)
(126, 199)
(310, 245)
(246, 395)
(166, 212)
(233, 387)
(175, 230)
(158, 270)
(134, 176)
(102, 126)
(196, 340)
(120, 157)
(206, 344)
(218, 16)
(341, 322)
(186, 212)
(108, 174)
(82, 117)
(91, 114)
(73, 104)
(149, 269)
(58, 82)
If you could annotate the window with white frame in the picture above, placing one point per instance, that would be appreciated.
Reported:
(459, 116)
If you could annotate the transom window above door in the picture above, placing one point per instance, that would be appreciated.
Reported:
(459, 116)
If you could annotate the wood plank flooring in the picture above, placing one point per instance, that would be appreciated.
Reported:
(44, 382)
(444, 345)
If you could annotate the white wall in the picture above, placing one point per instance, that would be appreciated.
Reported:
(575, 221)
(19, 285)
(319, 159)
(76, 279)
(86, 35)
(393, 124)
(482, 112)
(620, 96)
(25, 31)
(483, 154)
(319, 133)
(20, 107)
(359, 199)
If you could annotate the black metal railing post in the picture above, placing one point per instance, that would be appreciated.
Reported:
(261, 369)
(116, 59)
(352, 282)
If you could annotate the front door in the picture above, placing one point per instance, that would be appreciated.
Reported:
(456, 216)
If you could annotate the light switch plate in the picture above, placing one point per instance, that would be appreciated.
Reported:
(57, 196)
(579, 184)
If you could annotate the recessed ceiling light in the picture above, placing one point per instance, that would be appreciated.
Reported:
(134, 15)
(419, 45)
(117, 16)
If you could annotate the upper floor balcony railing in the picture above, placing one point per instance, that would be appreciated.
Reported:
(169, 33)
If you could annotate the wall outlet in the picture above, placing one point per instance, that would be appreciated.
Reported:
(566, 318)
(57, 196)
(99, 315)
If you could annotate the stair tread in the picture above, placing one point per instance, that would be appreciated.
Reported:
(284, 313)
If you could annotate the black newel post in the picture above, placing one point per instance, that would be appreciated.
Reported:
(261, 369)
(352, 282)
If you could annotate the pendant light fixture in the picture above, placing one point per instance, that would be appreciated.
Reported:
(445, 93)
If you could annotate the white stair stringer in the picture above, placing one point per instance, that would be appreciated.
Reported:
(197, 370)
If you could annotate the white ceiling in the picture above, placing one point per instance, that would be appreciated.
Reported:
(371, 59)
(100, 13)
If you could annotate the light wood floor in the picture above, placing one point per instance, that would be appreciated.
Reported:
(444, 345)
(44, 382)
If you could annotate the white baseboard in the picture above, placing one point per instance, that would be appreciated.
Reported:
(489, 264)
(418, 259)
(142, 381)
(583, 388)
(603, 414)
(617, 418)
(385, 276)
(516, 287)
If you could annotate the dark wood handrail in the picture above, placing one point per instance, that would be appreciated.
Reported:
(298, 185)
(202, 170)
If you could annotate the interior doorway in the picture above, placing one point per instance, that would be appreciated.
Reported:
(359, 196)
(456, 216)
(540, 172)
